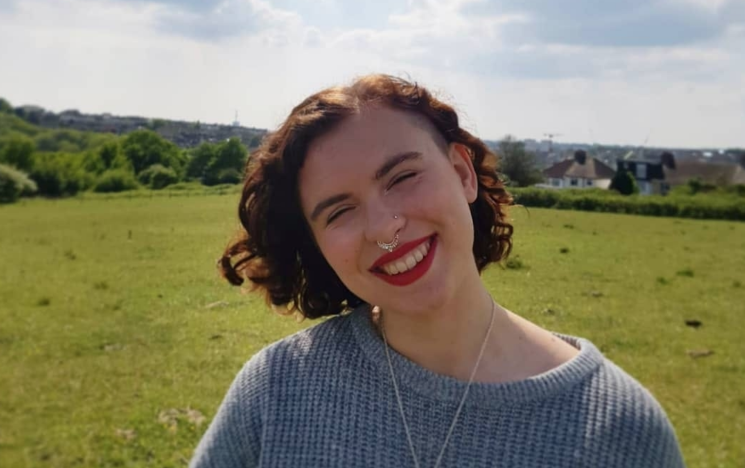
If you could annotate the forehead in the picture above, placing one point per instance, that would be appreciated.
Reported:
(367, 137)
(347, 156)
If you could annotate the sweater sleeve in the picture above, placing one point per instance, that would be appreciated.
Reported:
(233, 438)
(663, 447)
(640, 429)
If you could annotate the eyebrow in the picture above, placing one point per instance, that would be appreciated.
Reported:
(394, 161)
(387, 167)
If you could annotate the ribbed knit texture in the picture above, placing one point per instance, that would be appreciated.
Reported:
(323, 397)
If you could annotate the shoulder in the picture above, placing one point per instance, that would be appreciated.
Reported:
(280, 372)
(314, 342)
(625, 422)
(624, 397)
(318, 345)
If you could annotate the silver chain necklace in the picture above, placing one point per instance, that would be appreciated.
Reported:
(460, 405)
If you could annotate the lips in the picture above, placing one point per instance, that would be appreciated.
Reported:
(401, 251)
(409, 276)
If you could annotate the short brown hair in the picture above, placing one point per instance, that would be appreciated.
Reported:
(275, 250)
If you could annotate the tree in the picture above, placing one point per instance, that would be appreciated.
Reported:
(5, 107)
(14, 184)
(30, 114)
(143, 148)
(58, 174)
(18, 151)
(519, 165)
(200, 158)
(255, 141)
(108, 153)
(92, 163)
(230, 158)
(624, 183)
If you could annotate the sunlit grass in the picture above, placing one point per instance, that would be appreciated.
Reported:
(117, 335)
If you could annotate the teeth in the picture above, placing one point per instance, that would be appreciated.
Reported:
(408, 262)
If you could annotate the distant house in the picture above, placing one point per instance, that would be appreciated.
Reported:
(738, 177)
(579, 172)
(710, 173)
(650, 175)
(659, 176)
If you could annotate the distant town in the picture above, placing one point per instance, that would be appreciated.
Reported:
(562, 164)
(184, 134)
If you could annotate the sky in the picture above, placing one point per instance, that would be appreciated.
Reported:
(662, 73)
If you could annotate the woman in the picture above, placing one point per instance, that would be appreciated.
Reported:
(371, 204)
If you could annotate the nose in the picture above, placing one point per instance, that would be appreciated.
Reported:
(382, 224)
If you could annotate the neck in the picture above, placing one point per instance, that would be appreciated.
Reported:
(447, 340)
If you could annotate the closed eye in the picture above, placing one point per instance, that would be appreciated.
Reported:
(336, 214)
(401, 178)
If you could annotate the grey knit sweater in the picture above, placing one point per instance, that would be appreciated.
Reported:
(323, 397)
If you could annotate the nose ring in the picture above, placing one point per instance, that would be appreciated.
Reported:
(389, 246)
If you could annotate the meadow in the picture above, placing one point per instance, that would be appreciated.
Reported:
(118, 339)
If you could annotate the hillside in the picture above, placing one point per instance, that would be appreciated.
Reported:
(183, 134)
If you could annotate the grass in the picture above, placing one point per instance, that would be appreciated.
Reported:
(118, 340)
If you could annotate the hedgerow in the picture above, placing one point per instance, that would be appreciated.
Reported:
(731, 207)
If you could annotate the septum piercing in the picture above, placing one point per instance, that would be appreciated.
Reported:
(389, 246)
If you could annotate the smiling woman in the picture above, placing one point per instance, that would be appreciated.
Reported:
(371, 204)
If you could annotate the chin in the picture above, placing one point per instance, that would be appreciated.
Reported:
(418, 303)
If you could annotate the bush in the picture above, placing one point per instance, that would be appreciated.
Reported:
(17, 150)
(227, 165)
(116, 180)
(199, 159)
(60, 174)
(229, 176)
(144, 148)
(5, 107)
(699, 207)
(14, 184)
(157, 177)
(624, 183)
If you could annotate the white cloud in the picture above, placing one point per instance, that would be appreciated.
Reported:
(112, 56)
(706, 4)
(231, 18)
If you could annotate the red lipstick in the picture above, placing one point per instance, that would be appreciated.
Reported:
(409, 276)
(402, 250)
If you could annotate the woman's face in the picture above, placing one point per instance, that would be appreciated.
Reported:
(381, 172)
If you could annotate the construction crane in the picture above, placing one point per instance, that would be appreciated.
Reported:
(551, 137)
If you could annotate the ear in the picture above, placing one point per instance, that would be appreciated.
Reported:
(460, 158)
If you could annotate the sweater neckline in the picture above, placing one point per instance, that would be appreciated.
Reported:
(448, 389)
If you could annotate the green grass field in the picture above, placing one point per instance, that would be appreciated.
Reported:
(118, 339)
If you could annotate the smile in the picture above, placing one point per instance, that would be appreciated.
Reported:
(408, 263)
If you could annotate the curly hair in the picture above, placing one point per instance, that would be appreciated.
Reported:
(275, 250)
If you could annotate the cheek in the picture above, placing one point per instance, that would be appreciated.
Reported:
(450, 207)
(341, 251)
